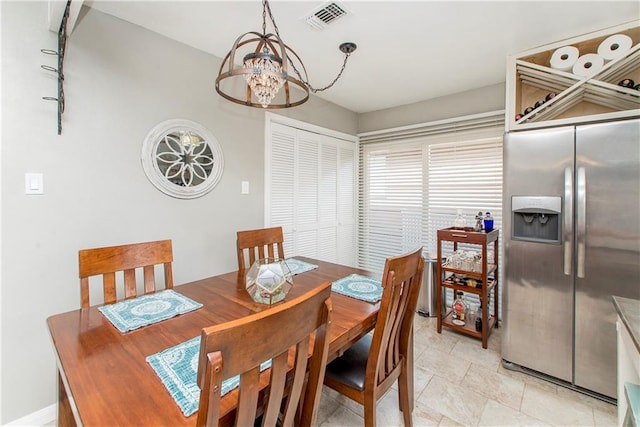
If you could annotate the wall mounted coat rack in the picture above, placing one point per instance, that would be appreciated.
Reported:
(62, 43)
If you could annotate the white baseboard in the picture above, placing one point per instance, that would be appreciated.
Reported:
(37, 419)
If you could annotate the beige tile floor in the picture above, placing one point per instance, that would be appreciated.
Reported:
(457, 383)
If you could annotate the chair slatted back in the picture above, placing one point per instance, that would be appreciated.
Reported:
(258, 244)
(108, 261)
(401, 280)
(239, 347)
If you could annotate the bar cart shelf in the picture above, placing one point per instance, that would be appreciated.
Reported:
(463, 278)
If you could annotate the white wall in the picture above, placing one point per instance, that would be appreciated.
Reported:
(480, 100)
(120, 81)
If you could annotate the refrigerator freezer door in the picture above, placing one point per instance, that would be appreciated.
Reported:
(608, 244)
(538, 295)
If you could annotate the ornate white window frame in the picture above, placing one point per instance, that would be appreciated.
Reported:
(182, 158)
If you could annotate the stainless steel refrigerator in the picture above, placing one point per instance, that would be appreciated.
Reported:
(572, 240)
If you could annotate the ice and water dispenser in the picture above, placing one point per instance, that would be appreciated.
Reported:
(536, 218)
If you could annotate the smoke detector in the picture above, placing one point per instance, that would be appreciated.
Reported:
(322, 16)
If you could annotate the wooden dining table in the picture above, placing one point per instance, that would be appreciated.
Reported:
(104, 378)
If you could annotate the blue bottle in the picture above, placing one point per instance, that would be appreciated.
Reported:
(488, 222)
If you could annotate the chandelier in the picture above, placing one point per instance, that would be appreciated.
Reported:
(266, 68)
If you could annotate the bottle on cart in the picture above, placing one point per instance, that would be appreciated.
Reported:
(459, 222)
(479, 319)
(460, 309)
(479, 219)
(488, 222)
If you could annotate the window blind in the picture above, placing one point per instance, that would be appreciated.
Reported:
(465, 175)
(413, 181)
(391, 203)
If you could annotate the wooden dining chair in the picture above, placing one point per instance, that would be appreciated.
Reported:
(371, 366)
(258, 244)
(240, 346)
(108, 261)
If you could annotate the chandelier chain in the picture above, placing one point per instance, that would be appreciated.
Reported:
(266, 8)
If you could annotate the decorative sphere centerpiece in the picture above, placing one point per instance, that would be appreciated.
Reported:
(269, 280)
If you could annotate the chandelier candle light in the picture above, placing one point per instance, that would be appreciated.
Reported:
(266, 69)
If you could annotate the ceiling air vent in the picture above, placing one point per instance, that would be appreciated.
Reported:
(321, 17)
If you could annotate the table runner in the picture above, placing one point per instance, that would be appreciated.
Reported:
(297, 266)
(177, 368)
(131, 314)
(359, 287)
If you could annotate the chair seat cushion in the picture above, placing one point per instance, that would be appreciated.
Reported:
(350, 368)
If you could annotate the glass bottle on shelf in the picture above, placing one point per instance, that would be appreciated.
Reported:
(479, 225)
(459, 309)
(459, 222)
(472, 314)
(488, 222)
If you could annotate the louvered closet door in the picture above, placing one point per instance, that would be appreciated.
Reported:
(328, 202)
(280, 188)
(306, 195)
(310, 193)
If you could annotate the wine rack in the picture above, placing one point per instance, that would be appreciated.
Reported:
(578, 99)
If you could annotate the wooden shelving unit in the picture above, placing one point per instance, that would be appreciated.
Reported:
(488, 277)
(578, 99)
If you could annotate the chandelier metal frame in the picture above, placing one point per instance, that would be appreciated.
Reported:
(280, 59)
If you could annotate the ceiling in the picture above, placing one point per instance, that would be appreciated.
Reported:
(408, 51)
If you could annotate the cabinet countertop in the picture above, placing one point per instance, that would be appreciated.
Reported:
(629, 312)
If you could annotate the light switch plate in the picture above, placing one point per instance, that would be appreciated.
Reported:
(245, 187)
(33, 183)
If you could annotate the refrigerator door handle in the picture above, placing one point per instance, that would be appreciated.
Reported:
(568, 215)
(581, 220)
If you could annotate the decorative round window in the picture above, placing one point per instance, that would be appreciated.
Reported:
(182, 158)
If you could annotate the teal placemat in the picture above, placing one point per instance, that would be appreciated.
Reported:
(177, 368)
(297, 266)
(360, 287)
(134, 313)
